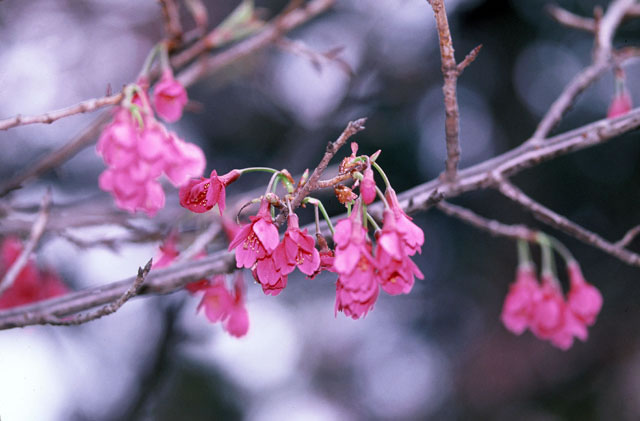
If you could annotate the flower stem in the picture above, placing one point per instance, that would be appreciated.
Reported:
(383, 198)
(373, 222)
(382, 174)
(318, 204)
(148, 62)
(258, 169)
(524, 253)
(548, 262)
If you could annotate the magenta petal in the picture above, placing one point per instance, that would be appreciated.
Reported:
(267, 233)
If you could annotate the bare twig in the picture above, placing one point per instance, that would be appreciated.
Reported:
(172, 25)
(571, 20)
(563, 224)
(469, 58)
(352, 128)
(57, 157)
(628, 237)
(604, 30)
(272, 31)
(106, 309)
(492, 226)
(450, 73)
(36, 232)
(316, 58)
(51, 116)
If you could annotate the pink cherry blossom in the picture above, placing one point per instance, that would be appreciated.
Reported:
(220, 305)
(585, 301)
(357, 286)
(327, 257)
(257, 240)
(517, 310)
(368, 187)
(217, 300)
(30, 285)
(397, 271)
(298, 249)
(169, 98)
(548, 314)
(272, 278)
(412, 236)
(202, 195)
(620, 104)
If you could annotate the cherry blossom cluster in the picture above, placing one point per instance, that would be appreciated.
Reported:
(363, 262)
(31, 284)
(138, 149)
(543, 308)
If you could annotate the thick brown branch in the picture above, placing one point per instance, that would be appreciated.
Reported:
(562, 223)
(450, 73)
(51, 116)
(492, 226)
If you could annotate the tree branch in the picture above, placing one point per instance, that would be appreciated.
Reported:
(450, 73)
(602, 60)
(565, 225)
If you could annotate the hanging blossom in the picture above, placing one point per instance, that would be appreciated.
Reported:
(411, 235)
(397, 271)
(169, 97)
(138, 150)
(31, 284)
(542, 307)
(257, 240)
(167, 254)
(221, 305)
(621, 103)
(201, 195)
(357, 284)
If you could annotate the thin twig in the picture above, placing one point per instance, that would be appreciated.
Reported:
(469, 58)
(51, 116)
(571, 20)
(628, 237)
(36, 232)
(200, 243)
(602, 60)
(272, 31)
(172, 25)
(57, 157)
(565, 225)
(450, 73)
(492, 226)
(106, 309)
(352, 128)
(316, 58)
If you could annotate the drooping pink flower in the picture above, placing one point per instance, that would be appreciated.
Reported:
(368, 186)
(202, 195)
(257, 240)
(220, 305)
(517, 311)
(216, 301)
(182, 160)
(130, 195)
(167, 253)
(585, 301)
(412, 236)
(620, 104)
(357, 286)
(298, 249)
(30, 285)
(397, 271)
(548, 314)
(169, 98)
(272, 278)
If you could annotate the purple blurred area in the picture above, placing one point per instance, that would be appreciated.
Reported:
(438, 353)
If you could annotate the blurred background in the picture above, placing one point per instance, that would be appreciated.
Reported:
(440, 352)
